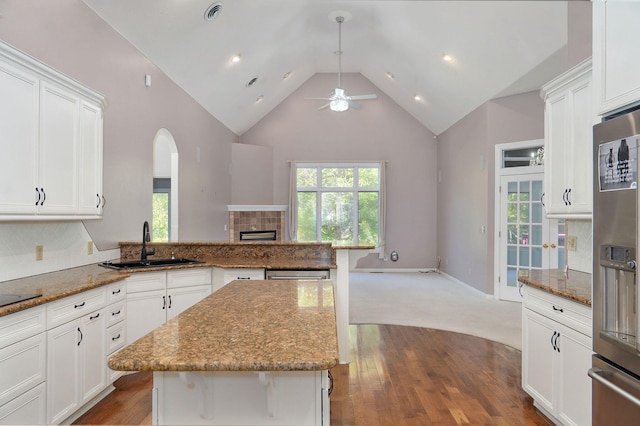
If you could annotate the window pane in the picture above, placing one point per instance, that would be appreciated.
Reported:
(368, 177)
(337, 177)
(337, 217)
(524, 191)
(368, 218)
(307, 216)
(307, 177)
(160, 221)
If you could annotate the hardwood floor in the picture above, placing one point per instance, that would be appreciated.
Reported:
(398, 376)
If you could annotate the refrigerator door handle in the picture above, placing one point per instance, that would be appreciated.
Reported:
(599, 375)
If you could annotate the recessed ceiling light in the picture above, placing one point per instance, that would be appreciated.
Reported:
(417, 98)
(236, 58)
(390, 75)
(251, 82)
(447, 58)
(286, 75)
(213, 11)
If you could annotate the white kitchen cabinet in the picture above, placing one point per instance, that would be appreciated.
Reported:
(568, 121)
(116, 333)
(232, 274)
(52, 166)
(155, 297)
(615, 55)
(75, 364)
(556, 356)
(23, 367)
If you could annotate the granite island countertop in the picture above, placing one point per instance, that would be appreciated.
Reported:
(277, 325)
(574, 285)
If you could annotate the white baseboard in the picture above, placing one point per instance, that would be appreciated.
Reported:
(488, 296)
(394, 270)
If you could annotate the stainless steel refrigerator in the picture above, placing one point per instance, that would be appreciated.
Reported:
(615, 301)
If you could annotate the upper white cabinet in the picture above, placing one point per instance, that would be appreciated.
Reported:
(568, 121)
(615, 55)
(51, 145)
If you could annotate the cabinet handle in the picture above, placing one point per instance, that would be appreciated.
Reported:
(116, 291)
(115, 338)
(542, 200)
(94, 317)
(243, 278)
(79, 305)
(98, 200)
(104, 201)
(38, 192)
(564, 196)
(552, 341)
(80, 332)
(568, 194)
(169, 301)
(44, 196)
(555, 308)
(164, 302)
(556, 342)
(113, 314)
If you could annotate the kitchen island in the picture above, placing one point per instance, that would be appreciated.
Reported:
(253, 352)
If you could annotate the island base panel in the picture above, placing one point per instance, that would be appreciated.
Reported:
(241, 397)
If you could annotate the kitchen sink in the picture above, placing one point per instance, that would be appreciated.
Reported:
(150, 263)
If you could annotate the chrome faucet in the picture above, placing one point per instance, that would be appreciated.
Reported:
(146, 237)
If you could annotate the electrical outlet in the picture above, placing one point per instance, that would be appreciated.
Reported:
(572, 242)
(89, 247)
(39, 252)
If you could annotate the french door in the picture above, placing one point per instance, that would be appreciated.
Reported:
(527, 239)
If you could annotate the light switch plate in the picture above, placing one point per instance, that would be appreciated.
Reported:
(572, 242)
(39, 252)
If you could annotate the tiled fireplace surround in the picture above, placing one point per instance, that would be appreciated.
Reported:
(256, 218)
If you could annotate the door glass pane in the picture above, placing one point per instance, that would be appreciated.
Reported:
(524, 256)
(536, 213)
(512, 277)
(524, 191)
(536, 235)
(536, 257)
(512, 191)
(524, 235)
(512, 256)
(524, 212)
(512, 234)
(536, 190)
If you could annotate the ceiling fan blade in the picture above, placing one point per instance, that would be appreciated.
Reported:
(363, 97)
(354, 105)
(324, 106)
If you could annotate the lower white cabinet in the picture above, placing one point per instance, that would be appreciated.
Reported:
(76, 369)
(155, 297)
(556, 357)
(27, 409)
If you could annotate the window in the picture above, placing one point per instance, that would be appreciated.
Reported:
(338, 203)
(161, 206)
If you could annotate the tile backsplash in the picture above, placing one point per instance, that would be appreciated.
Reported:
(581, 258)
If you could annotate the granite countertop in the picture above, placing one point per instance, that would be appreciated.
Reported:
(277, 325)
(56, 285)
(574, 285)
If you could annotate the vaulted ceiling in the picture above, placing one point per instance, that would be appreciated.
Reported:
(498, 48)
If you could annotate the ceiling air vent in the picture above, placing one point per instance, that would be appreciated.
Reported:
(252, 81)
(213, 11)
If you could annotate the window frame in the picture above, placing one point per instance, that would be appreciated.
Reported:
(318, 189)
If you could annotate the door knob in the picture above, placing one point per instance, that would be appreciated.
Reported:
(553, 246)
(545, 245)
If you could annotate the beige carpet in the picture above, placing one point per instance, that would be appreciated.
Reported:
(434, 301)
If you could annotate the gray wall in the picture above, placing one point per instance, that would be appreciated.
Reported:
(70, 37)
(381, 130)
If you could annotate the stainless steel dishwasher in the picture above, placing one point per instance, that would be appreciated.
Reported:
(283, 274)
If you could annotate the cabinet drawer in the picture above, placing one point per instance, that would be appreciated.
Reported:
(22, 366)
(116, 337)
(27, 409)
(116, 292)
(72, 307)
(23, 324)
(116, 312)
(146, 281)
(189, 277)
(243, 274)
(565, 311)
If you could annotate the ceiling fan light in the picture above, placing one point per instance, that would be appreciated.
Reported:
(339, 105)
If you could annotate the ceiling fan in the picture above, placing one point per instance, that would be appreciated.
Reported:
(339, 99)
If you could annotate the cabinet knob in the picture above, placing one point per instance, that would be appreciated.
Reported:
(553, 245)
(545, 245)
